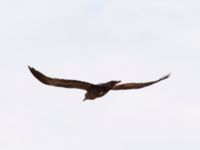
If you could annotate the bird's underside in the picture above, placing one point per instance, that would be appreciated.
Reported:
(92, 90)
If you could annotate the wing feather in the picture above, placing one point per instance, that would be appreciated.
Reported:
(60, 82)
(127, 86)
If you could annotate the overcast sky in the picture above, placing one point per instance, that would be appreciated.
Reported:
(98, 41)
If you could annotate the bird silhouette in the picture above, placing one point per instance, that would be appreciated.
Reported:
(93, 91)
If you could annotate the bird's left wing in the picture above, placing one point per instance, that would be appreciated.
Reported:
(127, 86)
(60, 82)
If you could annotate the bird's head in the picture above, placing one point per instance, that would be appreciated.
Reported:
(86, 97)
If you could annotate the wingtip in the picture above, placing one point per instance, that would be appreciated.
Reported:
(165, 76)
(29, 67)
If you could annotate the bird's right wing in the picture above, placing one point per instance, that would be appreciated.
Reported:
(127, 86)
(60, 82)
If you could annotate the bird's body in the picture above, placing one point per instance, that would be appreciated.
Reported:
(93, 90)
(99, 90)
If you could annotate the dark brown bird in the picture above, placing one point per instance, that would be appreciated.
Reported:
(93, 90)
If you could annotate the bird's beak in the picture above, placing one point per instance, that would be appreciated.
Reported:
(84, 99)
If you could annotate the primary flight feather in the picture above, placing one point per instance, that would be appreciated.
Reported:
(92, 90)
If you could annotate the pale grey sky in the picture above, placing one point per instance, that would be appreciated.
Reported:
(98, 41)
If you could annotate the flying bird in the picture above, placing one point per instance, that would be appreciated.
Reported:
(93, 91)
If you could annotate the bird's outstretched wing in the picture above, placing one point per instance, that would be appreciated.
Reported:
(127, 86)
(60, 82)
